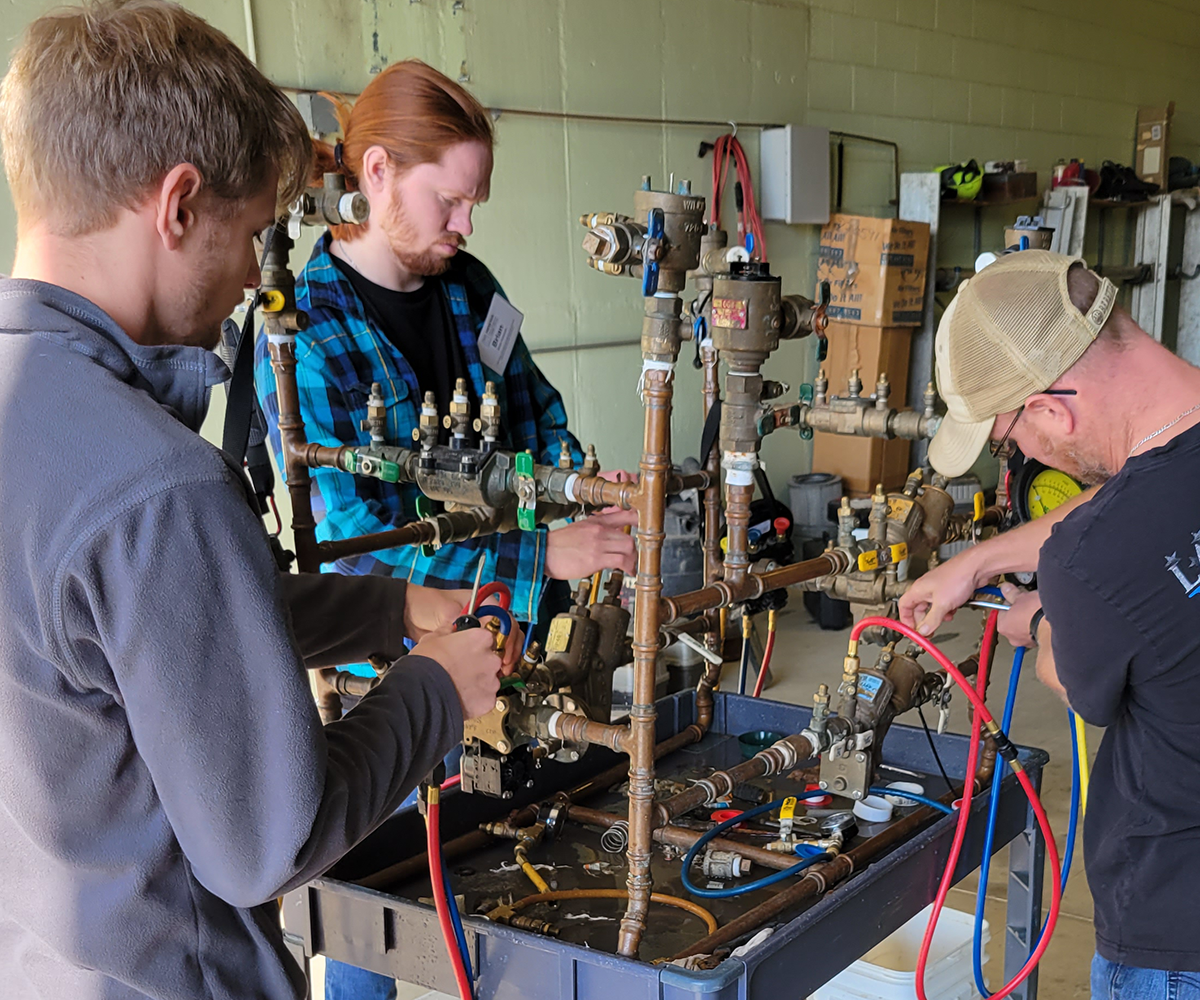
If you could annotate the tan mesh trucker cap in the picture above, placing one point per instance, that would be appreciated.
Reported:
(1009, 334)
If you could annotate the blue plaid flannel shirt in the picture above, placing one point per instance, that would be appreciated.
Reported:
(338, 357)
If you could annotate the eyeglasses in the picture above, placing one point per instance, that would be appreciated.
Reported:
(995, 448)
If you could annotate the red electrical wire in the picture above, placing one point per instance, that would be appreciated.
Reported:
(982, 715)
(434, 849)
(454, 779)
(725, 149)
(766, 662)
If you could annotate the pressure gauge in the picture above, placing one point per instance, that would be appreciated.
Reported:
(1037, 489)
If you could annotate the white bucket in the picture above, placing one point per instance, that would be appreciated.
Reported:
(888, 971)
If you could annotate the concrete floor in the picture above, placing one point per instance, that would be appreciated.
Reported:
(806, 656)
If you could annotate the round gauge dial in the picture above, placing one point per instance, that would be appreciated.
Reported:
(1036, 489)
(1049, 489)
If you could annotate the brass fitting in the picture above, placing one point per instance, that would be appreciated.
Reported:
(376, 421)
(458, 420)
(821, 388)
(488, 424)
(591, 464)
(426, 433)
(883, 389)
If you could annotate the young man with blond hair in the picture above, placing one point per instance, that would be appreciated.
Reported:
(163, 772)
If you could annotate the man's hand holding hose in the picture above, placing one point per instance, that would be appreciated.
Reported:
(934, 597)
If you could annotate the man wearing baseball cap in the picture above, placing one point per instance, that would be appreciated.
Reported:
(1034, 351)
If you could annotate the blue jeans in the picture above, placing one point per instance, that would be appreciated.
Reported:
(345, 982)
(1113, 981)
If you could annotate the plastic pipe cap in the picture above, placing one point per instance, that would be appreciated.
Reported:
(873, 809)
(904, 786)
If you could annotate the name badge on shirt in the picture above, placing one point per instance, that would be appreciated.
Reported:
(499, 333)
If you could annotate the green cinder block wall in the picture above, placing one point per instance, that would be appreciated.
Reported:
(947, 79)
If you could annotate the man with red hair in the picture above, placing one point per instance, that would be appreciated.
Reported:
(398, 302)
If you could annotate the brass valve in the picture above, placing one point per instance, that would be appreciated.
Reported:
(821, 388)
(591, 464)
(376, 421)
(488, 422)
(564, 455)
(883, 389)
(426, 433)
(458, 420)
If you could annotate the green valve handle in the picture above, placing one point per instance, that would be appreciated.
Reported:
(806, 393)
(526, 489)
(376, 468)
(425, 509)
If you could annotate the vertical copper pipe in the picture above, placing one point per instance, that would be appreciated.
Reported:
(712, 465)
(299, 484)
(654, 471)
(712, 529)
(291, 432)
(737, 523)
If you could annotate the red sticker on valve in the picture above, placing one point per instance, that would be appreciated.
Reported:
(730, 313)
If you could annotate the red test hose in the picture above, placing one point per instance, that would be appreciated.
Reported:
(768, 649)
(434, 849)
(1008, 752)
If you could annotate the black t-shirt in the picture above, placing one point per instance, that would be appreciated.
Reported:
(419, 326)
(1117, 580)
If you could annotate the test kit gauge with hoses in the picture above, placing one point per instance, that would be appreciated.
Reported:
(1036, 489)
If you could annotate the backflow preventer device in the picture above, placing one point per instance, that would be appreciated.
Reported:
(558, 704)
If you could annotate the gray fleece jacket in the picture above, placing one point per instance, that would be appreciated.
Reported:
(163, 772)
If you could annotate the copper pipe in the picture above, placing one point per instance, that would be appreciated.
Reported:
(712, 465)
(722, 594)
(580, 729)
(598, 492)
(451, 526)
(773, 760)
(654, 471)
(475, 840)
(682, 904)
(291, 433)
(737, 525)
(413, 533)
(319, 456)
(679, 837)
(304, 525)
(814, 881)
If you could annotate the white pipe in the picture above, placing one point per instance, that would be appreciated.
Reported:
(251, 47)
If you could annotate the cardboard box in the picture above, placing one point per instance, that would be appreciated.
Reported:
(1150, 156)
(875, 269)
(863, 462)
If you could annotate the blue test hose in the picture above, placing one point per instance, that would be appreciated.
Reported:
(495, 611)
(899, 793)
(990, 831)
(761, 883)
(745, 665)
(456, 920)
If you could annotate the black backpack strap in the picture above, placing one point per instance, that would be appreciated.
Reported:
(712, 426)
(241, 406)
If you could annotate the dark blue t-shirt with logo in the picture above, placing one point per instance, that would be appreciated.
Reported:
(1120, 584)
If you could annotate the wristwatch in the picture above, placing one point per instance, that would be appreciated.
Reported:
(1034, 622)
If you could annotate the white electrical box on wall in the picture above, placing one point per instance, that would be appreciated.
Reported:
(794, 174)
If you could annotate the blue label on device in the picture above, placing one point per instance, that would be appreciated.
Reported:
(868, 686)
